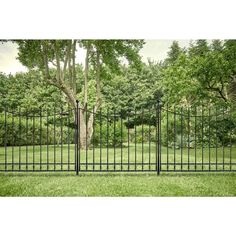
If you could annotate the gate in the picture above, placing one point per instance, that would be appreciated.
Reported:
(158, 138)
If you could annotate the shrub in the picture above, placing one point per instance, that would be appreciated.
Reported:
(143, 134)
(21, 133)
(113, 138)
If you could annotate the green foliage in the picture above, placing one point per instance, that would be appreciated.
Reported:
(17, 132)
(174, 53)
(201, 74)
(216, 129)
(178, 85)
(174, 127)
(116, 133)
(91, 95)
(28, 91)
(143, 133)
(113, 52)
(133, 88)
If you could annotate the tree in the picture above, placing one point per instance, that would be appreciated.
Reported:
(202, 74)
(56, 61)
(198, 48)
(230, 56)
(28, 92)
(210, 68)
(178, 86)
(173, 53)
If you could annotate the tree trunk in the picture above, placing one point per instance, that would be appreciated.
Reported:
(90, 124)
(73, 67)
(85, 129)
(82, 130)
(81, 119)
(86, 77)
(90, 121)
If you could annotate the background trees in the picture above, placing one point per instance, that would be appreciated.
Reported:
(55, 60)
(114, 78)
(203, 73)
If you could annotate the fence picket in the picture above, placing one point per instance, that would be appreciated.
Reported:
(158, 139)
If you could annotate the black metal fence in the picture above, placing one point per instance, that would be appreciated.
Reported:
(160, 138)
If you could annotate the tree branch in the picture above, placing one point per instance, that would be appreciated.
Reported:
(70, 70)
(218, 91)
(73, 66)
(45, 59)
(68, 52)
(98, 87)
(86, 71)
(57, 62)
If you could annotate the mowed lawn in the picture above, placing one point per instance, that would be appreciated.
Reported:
(116, 184)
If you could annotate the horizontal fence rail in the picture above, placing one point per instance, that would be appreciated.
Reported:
(160, 138)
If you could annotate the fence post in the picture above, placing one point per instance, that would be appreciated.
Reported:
(160, 106)
(159, 135)
(158, 153)
(77, 143)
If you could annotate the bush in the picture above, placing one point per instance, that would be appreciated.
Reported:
(100, 134)
(207, 132)
(20, 134)
(143, 134)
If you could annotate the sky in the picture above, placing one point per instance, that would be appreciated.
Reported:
(153, 49)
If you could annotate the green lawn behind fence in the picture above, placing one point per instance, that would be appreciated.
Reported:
(50, 158)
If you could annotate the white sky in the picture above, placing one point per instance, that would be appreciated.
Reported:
(153, 49)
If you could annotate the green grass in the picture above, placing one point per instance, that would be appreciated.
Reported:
(43, 158)
(118, 184)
